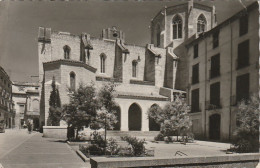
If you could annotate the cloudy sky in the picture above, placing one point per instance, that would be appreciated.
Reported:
(19, 22)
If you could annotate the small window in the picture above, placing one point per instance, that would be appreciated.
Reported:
(66, 52)
(158, 35)
(201, 24)
(215, 39)
(243, 25)
(102, 63)
(72, 81)
(134, 69)
(177, 27)
(196, 51)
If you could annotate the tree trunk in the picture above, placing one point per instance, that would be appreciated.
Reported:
(77, 134)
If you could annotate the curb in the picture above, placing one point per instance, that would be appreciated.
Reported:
(82, 156)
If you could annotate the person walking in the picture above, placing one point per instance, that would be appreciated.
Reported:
(29, 127)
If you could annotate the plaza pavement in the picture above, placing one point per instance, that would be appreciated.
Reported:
(23, 150)
(18, 149)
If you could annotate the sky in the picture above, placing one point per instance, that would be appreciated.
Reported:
(20, 20)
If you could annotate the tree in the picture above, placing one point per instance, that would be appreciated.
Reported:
(55, 111)
(106, 117)
(82, 109)
(247, 132)
(173, 117)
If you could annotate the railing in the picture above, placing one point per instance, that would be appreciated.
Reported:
(242, 64)
(214, 73)
(180, 153)
(194, 110)
(211, 106)
(194, 80)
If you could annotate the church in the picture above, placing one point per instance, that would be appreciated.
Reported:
(146, 76)
(179, 59)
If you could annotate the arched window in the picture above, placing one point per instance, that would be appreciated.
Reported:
(134, 69)
(201, 24)
(177, 27)
(158, 35)
(102, 63)
(72, 81)
(66, 52)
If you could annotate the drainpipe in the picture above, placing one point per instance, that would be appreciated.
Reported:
(231, 81)
(206, 64)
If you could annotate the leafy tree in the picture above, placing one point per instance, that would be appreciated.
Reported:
(55, 111)
(82, 109)
(173, 117)
(247, 132)
(106, 115)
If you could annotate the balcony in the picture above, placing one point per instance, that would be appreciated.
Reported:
(194, 80)
(212, 106)
(195, 109)
(214, 73)
(242, 63)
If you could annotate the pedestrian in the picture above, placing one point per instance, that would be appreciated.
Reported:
(29, 127)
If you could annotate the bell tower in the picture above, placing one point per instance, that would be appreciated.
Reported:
(175, 24)
(113, 33)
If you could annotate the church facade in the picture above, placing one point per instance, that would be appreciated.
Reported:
(139, 72)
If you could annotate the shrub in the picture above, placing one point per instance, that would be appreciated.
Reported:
(112, 147)
(92, 149)
(159, 137)
(168, 139)
(137, 145)
(98, 139)
(125, 152)
(247, 132)
(245, 140)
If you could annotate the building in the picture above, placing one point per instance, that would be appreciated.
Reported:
(176, 25)
(217, 64)
(7, 113)
(72, 59)
(26, 104)
(223, 68)
(145, 76)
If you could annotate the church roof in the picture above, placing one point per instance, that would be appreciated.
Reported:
(70, 62)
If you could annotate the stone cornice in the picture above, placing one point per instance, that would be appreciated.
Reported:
(70, 62)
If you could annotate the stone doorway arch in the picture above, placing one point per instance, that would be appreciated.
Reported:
(135, 117)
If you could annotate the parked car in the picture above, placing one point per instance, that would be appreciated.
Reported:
(2, 126)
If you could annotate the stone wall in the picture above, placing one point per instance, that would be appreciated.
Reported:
(57, 132)
(228, 161)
